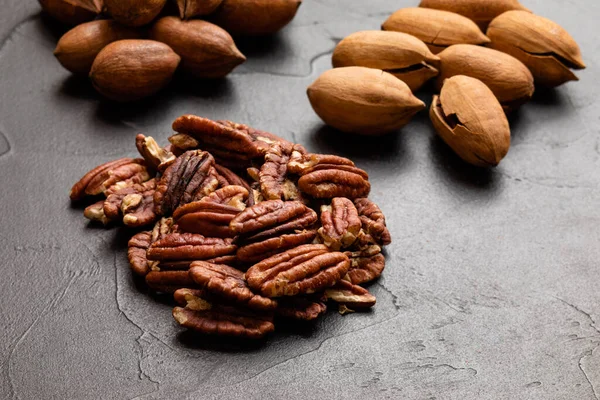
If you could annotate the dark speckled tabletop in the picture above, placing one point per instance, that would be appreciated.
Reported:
(491, 288)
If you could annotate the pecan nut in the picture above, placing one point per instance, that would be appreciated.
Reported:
(95, 212)
(136, 252)
(301, 161)
(101, 178)
(189, 247)
(341, 223)
(373, 221)
(191, 177)
(303, 270)
(134, 201)
(227, 284)
(169, 281)
(365, 265)
(300, 308)
(154, 155)
(324, 181)
(192, 299)
(272, 226)
(275, 184)
(227, 321)
(351, 296)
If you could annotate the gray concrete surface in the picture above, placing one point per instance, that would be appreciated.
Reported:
(491, 288)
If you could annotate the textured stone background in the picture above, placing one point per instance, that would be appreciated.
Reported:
(491, 289)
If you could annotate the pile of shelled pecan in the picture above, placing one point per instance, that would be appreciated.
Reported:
(280, 236)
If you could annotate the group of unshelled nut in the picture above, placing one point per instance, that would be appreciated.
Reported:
(370, 90)
(247, 227)
(136, 52)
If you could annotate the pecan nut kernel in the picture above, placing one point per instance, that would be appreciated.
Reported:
(303, 270)
(341, 223)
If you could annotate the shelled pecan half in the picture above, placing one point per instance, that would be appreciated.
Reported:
(133, 202)
(156, 157)
(138, 245)
(340, 223)
(301, 308)
(365, 265)
(373, 221)
(302, 270)
(351, 296)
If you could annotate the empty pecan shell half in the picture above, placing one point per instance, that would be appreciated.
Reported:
(191, 177)
(341, 223)
(100, 179)
(373, 221)
(324, 181)
(227, 284)
(349, 295)
(228, 321)
(303, 270)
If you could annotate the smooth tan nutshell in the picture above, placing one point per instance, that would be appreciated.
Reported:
(400, 54)
(507, 77)
(206, 50)
(438, 29)
(72, 12)
(77, 49)
(469, 118)
(134, 12)
(541, 44)
(255, 17)
(129, 70)
(193, 8)
(363, 100)
(482, 12)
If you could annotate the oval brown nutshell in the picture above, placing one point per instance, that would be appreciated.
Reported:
(255, 17)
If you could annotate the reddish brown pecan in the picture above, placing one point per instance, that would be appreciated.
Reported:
(303, 270)
(325, 181)
(133, 201)
(301, 161)
(273, 226)
(206, 218)
(300, 307)
(373, 221)
(100, 179)
(262, 139)
(341, 223)
(192, 299)
(180, 143)
(365, 265)
(169, 281)
(189, 246)
(231, 195)
(351, 296)
(95, 212)
(227, 284)
(191, 177)
(154, 155)
(227, 321)
(275, 183)
(136, 252)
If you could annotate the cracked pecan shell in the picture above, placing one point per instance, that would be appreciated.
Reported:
(133, 201)
(227, 321)
(191, 177)
(101, 178)
(365, 265)
(189, 246)
(373, 221)
(341, 223)
(303, 270)
(227, 284)
(351, 296)
(325, 181)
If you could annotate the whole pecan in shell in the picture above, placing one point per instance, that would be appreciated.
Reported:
(341, 223)
(303, 270)
(191, 177)
(228, 285)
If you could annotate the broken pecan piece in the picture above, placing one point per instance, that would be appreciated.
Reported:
(192, 299)
(154, 155)
(134, 201)
(351, 296)
(303, 270)
(191, 177)
(227, 321)
(273, 226)
(227, 284)
(101, 178)
(341, 223)
(373, 221)
(300, 308)
(365, 265)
